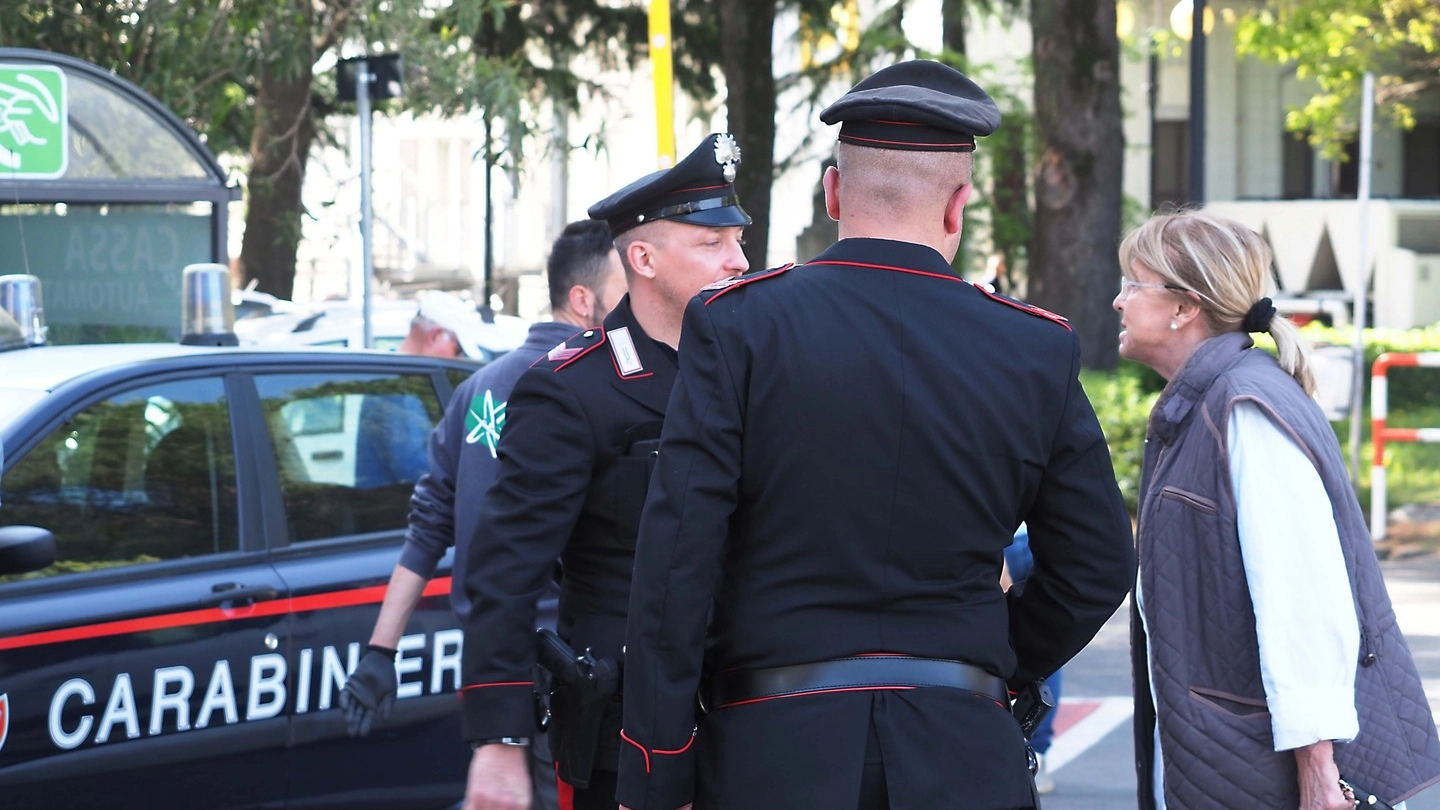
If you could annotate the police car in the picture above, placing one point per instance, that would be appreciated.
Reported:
(194, 542)
(339, 323)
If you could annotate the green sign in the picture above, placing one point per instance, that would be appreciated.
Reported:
(34, 122)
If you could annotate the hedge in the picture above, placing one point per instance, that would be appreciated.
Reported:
(1123, 399)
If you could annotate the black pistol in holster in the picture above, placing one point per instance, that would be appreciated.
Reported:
(581, 689)
(1029, 708)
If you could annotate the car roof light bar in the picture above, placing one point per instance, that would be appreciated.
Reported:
(22, 314)
(207, 313)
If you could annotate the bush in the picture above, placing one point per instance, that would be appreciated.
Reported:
(1409, 387)
(1123, 405)
(1123, 400)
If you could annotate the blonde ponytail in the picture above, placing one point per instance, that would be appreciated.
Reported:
(1294, 352)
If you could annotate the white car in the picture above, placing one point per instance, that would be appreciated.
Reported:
(338, 323)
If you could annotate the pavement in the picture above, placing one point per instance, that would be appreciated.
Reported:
(1091, 759)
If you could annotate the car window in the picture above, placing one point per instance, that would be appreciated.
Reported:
(145, 475)
(457, 376)
(349, 447)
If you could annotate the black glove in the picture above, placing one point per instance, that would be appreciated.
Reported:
(370, 690)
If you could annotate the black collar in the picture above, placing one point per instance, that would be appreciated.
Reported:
(650, 384)
(886, 254)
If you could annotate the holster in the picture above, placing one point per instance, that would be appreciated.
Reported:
(1031, 705)
(582, 689)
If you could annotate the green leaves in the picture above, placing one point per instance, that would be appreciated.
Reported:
(1333, 43)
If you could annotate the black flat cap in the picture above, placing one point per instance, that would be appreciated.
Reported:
(699, 190)
(920, 105)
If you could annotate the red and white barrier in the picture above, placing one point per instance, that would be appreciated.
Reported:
(1380, 434)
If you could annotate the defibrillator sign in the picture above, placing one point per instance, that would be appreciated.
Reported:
(34, 122)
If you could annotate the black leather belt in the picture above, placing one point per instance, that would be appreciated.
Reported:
(861, 673)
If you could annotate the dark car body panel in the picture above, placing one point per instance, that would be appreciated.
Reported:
(212, 681)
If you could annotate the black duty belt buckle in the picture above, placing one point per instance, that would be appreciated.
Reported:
(859, 673)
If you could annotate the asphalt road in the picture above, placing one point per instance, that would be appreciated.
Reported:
(1091, 759)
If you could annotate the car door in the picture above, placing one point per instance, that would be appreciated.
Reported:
(143, 669)
(348, 446)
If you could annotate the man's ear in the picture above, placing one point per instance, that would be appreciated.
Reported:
(831, 183)
(641, 255)
(581, 301)
(955, 208)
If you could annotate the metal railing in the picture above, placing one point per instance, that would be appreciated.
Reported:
(1380, 434)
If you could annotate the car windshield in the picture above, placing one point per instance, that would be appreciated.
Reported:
(14, 401)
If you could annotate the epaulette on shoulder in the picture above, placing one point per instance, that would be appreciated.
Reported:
(1024, 307)
(723, 286)
(579, 345)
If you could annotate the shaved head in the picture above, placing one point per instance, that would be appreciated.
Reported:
(885, 184)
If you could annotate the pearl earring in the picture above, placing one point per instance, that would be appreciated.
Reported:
(1174, 325)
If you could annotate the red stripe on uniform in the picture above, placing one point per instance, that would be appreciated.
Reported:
(678, 750)
(741, 281)
(896, 269)
(960, 144)
(642, 748)
(1030, 308)
(585, 351)
(564, 792)
(188, 618)
(498, 683)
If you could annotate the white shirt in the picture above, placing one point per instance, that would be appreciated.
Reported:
(1299, 586)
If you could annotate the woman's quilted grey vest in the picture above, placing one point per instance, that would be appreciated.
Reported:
(1214, 726)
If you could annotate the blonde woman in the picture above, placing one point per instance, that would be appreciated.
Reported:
(1268, 665)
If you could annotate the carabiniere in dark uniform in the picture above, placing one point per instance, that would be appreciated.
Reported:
(850, 446)
(583, 427)
(576, 457)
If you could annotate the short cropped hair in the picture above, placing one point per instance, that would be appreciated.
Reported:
(579, 256)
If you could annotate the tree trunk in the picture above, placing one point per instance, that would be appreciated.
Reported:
(1078, 183)
(279, 150)
(746, 30)
(952, 25)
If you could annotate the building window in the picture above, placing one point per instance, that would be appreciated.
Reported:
(1169, 172)
(1299, 168)
(1345, 174)
(1421, 166)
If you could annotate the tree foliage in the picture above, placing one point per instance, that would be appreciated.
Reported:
(185, 53)
(256, 77)
(1336, 42)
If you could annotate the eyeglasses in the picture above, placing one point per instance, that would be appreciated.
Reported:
(1129, 285)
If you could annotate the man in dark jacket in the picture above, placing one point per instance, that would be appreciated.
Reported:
(575, 461)
(843, 464)
(586, 282)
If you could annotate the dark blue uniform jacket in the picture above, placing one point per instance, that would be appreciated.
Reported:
(582, 428)
(850, 447)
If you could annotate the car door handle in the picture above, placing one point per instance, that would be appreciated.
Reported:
(231, 594)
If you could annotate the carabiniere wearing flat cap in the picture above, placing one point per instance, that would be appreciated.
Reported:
(698, 190)
(920, 106)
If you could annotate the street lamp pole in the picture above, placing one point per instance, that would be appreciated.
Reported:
(367, 240)
(1197, 102)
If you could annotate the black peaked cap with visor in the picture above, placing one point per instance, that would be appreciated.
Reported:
(919, 106)
(699, 190)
